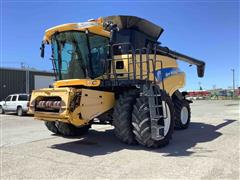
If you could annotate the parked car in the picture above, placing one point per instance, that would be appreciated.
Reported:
(17, 103)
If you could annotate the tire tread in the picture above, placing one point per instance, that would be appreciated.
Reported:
(122, 116)
(142, 125)
(178, 104)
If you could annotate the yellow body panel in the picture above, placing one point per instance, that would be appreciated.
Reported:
(163, 61)
(93, 103)
(171, 83)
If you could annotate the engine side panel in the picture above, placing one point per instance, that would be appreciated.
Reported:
(92, 104)
(166, 72)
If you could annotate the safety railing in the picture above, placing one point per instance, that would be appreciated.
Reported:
(141, 63)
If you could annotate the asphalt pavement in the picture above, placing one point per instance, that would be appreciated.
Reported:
(208, 149)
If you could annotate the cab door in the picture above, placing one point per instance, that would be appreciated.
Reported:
(12, 106)
(7, 103)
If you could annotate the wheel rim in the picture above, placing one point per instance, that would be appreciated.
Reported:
(167, 120)
(184, 115)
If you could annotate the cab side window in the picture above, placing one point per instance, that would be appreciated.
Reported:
(14, 98)
(22, 97)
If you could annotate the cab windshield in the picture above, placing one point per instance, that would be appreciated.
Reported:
(79, 55)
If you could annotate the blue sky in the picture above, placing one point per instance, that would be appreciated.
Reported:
(204, 30)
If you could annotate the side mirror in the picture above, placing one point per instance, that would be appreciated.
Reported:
(113, 33)
(42, 48)
(113, 28)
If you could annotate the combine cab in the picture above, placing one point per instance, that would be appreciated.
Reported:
(113, 70)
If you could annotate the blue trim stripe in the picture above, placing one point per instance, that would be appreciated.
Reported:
(164, 73)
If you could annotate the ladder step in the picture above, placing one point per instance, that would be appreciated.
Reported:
(156, 118)
(155, 106)
(157, 95)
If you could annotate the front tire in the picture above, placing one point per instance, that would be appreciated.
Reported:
(1, 110)
(66, 129)
(122, 116)
(182, 113)
(51, 126)
(142, 123)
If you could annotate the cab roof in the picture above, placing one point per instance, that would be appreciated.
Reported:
(93, 26)
(97, 26)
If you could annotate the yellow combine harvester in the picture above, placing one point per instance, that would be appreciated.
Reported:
(113, 70)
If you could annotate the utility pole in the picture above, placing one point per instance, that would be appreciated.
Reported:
(25, 66)
(233, 78)
(27, 79)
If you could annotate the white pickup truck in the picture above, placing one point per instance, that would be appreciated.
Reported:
(17, 103)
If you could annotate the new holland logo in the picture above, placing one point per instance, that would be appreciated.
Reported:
(164, 73)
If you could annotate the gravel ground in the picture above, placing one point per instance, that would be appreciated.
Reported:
(208, 149)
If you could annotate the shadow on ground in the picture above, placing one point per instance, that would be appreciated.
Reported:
(183, 143)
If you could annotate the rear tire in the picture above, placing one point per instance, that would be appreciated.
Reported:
(19, 111)
(51, 126)
(122, 116)
(1, 110)
(142, 123)
(66, 129)
(182, 113)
